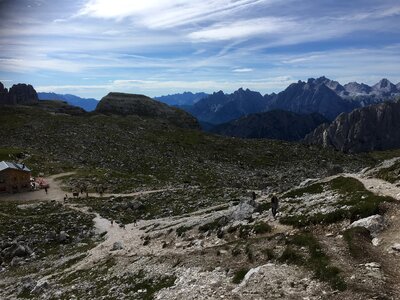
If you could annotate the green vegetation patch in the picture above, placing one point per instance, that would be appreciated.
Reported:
(355, 203)
(391, 174)
(313, 258)
(316, 188)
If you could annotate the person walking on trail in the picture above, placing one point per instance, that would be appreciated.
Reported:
(45, 189)
(274, 205)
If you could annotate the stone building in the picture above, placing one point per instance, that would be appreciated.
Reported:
(14, 177)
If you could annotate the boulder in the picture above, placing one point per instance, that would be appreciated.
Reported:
(63, 237)
(117, 246)
(244, 210)
(374, 224)
(135, 205)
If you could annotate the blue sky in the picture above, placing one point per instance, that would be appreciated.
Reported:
(156, 47)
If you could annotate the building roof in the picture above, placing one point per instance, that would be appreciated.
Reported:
(4, 165)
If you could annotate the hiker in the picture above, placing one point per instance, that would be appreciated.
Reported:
(274, 205)
(254, 196)
(45, 189)
(112, 222)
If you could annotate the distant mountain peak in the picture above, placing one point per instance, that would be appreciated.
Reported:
(385, 86)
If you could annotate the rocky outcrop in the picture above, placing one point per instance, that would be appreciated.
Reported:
(140, 105)
(370, 128)
(19, 94)
(374, 224)
(279, 124)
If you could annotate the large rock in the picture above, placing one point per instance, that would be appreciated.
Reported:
(244, 210)
(140, 105)
(22, 94)
(117, 246)
(374, 224)
(370, 128)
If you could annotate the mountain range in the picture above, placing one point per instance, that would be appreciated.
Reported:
(186, 98)
(88, 104)
(322, 95)
(277, 124)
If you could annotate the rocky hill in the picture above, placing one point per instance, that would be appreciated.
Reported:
(140, 105)
(19, 94)
(220, 108)
(88, 104)
(280, 125)
(375, 127)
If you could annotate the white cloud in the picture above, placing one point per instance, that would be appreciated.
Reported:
(161, 14)
(243, 70)
(242, 29)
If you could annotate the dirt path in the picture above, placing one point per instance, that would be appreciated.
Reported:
(55, 192)
(377, 186)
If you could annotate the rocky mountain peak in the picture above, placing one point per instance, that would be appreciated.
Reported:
(22, 94)
(354, 88)
(384, 85)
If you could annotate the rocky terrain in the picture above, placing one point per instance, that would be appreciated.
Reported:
(169, 212)
(335, 238)
(280, 125)
(140, 105)
(19, 94)
(370, 128)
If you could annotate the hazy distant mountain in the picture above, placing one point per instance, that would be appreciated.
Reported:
(312, 96)
(88, 104)
(375, 127)
(220, 108)
(186, 98)
(277, 124)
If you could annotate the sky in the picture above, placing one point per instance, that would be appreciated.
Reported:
(157, 47)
